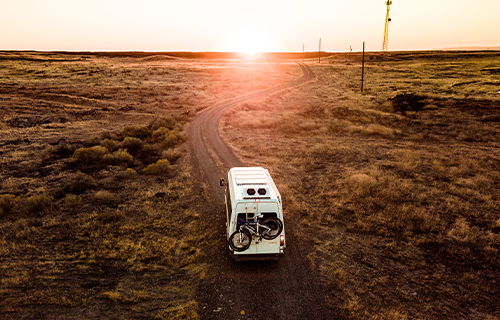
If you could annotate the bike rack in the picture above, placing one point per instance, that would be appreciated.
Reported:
(256, 210)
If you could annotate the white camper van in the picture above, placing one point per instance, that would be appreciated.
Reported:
(255, 226)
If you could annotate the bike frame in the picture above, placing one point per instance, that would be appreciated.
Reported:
(254, 231)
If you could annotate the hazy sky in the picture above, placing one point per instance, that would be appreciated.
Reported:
(245, 25)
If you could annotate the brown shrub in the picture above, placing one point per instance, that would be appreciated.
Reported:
(110, 135)
(132, 144)
(73, 201)
(166, 122)
(408, 102)
(110, 216)
(7, 203)
(105, 197)
(38, 204)
(161, 166)
(160, 133)
(109, 144)
(137, 132)
(86, 156)
(129, 173)
(172, 155)
(79, 183)
(173, 138)
(118, 157)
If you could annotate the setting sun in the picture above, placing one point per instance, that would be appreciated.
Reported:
(250, 41)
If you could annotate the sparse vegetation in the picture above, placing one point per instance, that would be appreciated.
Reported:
(75, 204)
(97, 144)
(395, 189)
(395, 206)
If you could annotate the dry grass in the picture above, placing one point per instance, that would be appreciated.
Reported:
(402, 205)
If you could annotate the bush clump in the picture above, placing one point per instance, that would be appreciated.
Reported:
(7, 203)
(118, 157)
(73, 201)
(408, 102)
(109, 144)
(165, 122)
(173, 138)
(130, 173)
(110, 135)
(140, 145)
(160, 133)
(172, 155)
(137, 132)
(161, 166)
(133, 145)
(109, 216)
(105, 197)
(168, 138)
(61, 149)
(38, 204)
(87, 156)
(79, 183)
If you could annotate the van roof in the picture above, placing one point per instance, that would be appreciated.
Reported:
(256, 178)
(251, 175)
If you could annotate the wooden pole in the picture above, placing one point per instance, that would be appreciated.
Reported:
(319, 52)
(363, 68)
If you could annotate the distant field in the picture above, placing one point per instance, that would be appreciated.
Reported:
(396, 189)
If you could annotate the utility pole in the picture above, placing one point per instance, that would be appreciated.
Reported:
(319, 52)
(385, 42)
(363, 68)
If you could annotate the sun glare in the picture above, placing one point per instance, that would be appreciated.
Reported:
(250, 41)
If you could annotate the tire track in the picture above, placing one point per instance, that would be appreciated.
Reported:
(205, 139)
(284, 289)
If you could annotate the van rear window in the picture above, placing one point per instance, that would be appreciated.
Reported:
(265, 215)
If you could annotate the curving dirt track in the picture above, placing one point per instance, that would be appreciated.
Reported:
(284, 289)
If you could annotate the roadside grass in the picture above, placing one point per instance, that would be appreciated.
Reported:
(99, 244)
(402, 207)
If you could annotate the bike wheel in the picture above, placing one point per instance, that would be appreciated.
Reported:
(275, 225)
(240, 240)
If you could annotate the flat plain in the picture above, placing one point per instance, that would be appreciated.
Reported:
(394, 191)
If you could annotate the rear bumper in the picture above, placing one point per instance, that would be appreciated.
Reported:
(256, 257)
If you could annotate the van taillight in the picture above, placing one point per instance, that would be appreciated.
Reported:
(282, 240)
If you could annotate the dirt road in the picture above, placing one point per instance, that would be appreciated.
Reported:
(285, 289)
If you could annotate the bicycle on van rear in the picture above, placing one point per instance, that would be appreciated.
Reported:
(241, 239)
